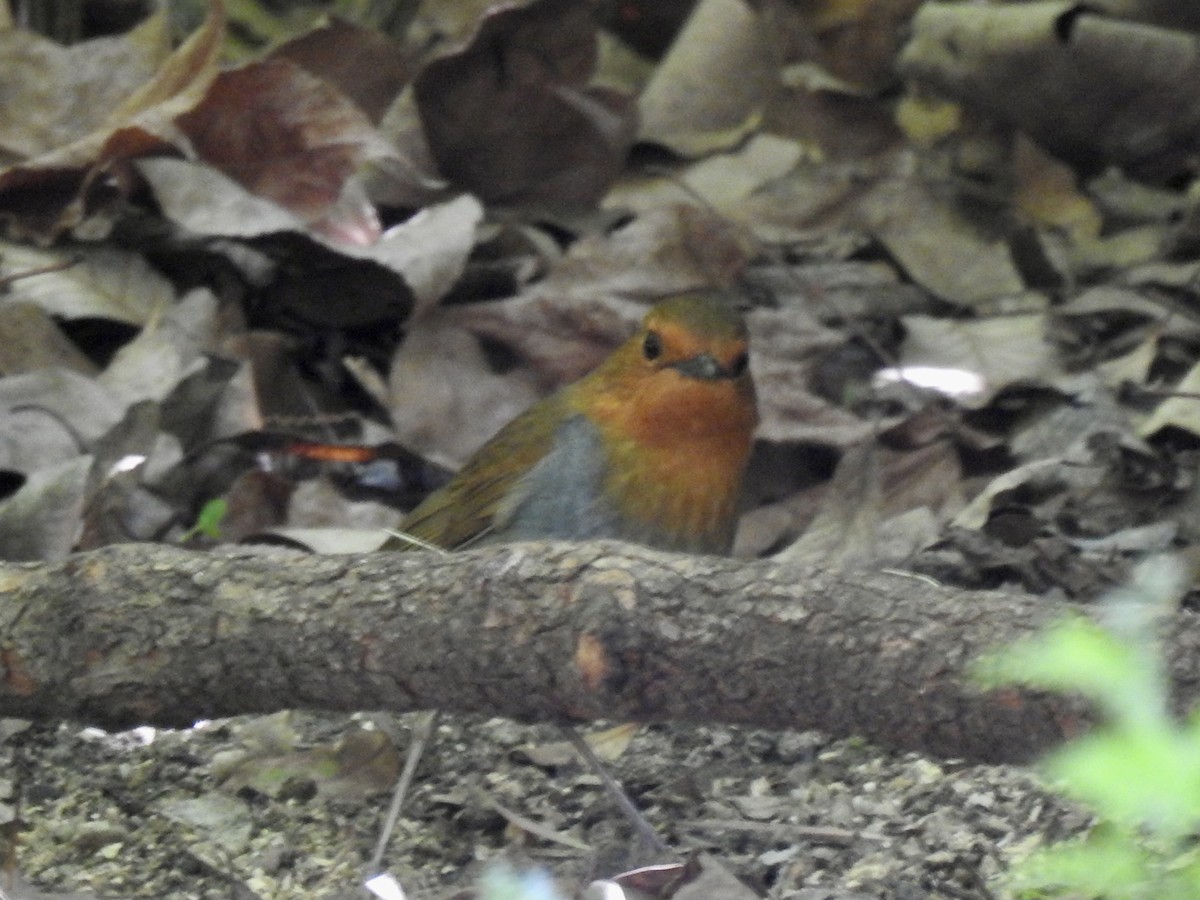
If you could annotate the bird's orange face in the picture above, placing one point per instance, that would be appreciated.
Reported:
(683, 376)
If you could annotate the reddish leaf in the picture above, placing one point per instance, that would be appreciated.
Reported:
(365, 65)
(286, 135)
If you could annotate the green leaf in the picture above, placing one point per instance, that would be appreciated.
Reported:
(209, 521)
(1106, 864)
(1143, 777)
(1079, 656)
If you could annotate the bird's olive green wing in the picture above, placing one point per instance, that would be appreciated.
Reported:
(462, 512)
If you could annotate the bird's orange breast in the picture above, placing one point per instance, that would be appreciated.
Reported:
(677, 449)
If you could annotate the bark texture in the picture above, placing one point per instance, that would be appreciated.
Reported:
(151, 634)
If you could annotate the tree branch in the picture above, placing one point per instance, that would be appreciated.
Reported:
(152, 634)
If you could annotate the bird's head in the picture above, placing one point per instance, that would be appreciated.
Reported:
(684, 374)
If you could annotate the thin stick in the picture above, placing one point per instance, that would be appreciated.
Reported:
(644, 829)
(421, 736)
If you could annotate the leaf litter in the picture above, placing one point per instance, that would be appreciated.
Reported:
(398, 240)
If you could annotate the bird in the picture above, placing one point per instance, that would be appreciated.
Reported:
(650, 447)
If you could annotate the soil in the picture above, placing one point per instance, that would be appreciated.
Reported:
(792, 815)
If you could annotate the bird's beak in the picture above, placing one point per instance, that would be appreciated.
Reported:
(704, 367)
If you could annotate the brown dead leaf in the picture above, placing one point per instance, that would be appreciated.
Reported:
(843, 534)
(509, 116)
(366, 66)
(1091, 89)
(274, 390)
(561, 337)
(863, 517)
(666, 250)
(786, 348)
(1047, 193)
(290, 137)
(364, 763)
(566, 324)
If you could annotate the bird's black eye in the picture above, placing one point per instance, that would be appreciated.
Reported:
(652, 345)
(740, 364)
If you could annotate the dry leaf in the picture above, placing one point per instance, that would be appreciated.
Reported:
(105, 283)
(1181, 412)
(430, 250)
(722, 180)
(290, 137)
(364, 65)
(843, 533)
(54, 192)
(938, 247)
(41, 520)
(1001, 350)
(786, 348)
(1091, 89)
(509, 117)
(1047, 193)
(445, 398)
(30, 340)
(858, 39)
(611, 743)
(54, 95)
(710, 91)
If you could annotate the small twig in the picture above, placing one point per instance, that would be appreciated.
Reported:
(7, 280)
(817, 834)
(644, 829)
(527, 824)
(414, 541)
(420, 739)
(918, 576)
(1156, 394)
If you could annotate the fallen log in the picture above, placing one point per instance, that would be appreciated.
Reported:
(150, 634)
